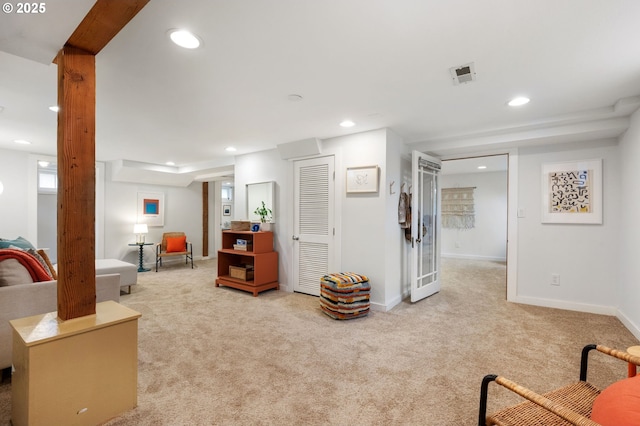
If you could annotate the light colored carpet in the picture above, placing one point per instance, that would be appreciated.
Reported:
(218, 356)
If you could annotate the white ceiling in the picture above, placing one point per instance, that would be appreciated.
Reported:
(381, 63)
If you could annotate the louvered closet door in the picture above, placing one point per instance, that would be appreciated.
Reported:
(313, 223)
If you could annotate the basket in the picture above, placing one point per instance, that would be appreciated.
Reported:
(241, 272)
(240, 225)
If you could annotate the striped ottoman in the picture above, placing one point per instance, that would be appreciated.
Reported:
(345, 295)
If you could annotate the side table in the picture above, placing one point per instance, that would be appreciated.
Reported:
(141, 267)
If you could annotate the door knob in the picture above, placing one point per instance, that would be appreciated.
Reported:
(295, 238)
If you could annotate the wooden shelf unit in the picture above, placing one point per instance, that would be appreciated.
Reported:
(261, 256)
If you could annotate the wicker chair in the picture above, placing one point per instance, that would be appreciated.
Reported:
(569, 405)
(161, 249)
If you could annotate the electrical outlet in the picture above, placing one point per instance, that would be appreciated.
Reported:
(457, 244)
(555, 279)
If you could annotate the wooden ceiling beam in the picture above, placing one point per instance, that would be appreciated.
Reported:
(105, 19)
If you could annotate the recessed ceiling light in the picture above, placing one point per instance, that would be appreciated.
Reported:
(482, 167)
(294, 98)
(22, 142)
(519, 101)
(43, 164)
(230, 149)
(54, 108)
(184, 38)
(347, 123)
(170, 163)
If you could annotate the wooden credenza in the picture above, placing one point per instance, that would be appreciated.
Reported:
(260, 255)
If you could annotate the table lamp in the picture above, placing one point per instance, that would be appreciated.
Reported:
(140, 229)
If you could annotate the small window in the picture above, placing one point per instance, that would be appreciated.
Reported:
(227, 193)
(47, 181)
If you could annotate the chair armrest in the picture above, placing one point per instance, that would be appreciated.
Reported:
(549, 405)
(625, 356)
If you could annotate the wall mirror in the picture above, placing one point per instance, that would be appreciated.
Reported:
(256, 194)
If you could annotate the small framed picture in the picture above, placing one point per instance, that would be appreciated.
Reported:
(362, 179)
(226, 210)
(151, 208)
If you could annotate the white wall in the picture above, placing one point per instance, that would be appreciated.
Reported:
(396, 248)
(14, 203)
(362, 216)
(183, 212)
(628, 300)
(370, 237)
(585, 256)
(488, 240)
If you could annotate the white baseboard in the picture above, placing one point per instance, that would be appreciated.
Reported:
(473, 257)
(384, 307)
(569, 306)
(631, 326)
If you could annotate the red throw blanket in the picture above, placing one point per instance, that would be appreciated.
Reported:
(36, 270)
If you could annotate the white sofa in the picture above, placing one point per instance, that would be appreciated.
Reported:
(128, 272)
(24, 300)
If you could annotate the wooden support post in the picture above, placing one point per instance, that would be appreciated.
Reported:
(205, 219)
(76, 183)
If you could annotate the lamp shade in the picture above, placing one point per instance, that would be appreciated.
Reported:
(140, 228)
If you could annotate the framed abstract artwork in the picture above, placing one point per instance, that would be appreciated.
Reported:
(362, 179)
(151, 208)
(572, 192)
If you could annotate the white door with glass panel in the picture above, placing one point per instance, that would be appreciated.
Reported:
(425, 226)
(313, 223)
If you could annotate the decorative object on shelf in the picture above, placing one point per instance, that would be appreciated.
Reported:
(140, 229)
(572, 192)
(362, 179)
(151, 208)
(264, 213)
(255, 227)
(240, 225)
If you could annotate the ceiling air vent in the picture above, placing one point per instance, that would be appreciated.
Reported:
(463, 74)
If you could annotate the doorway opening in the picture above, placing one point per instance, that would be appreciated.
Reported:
(477, 231)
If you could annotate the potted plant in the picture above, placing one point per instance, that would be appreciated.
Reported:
(265, 217)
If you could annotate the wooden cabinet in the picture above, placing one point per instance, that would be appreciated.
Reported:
(259, 258)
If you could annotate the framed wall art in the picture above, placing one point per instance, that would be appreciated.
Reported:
(226, 210)
(572, 192)
(362, 179)
(151, 208)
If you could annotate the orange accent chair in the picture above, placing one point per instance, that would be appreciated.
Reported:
(174, 244)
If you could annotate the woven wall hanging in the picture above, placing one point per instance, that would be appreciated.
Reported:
(458, 210)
